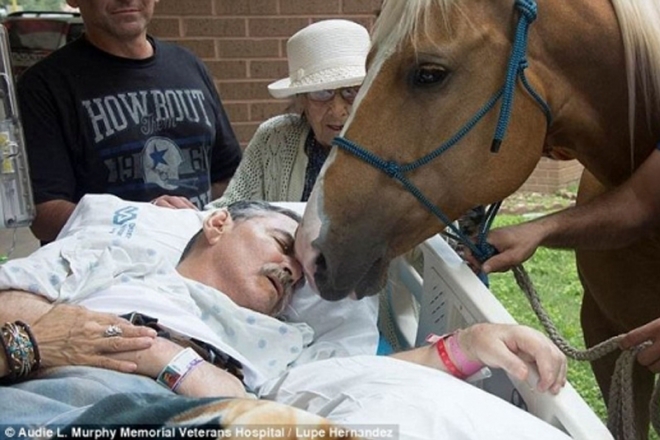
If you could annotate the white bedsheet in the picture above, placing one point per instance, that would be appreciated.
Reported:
(371, 392)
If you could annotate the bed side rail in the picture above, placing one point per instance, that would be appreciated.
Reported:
(450, 296)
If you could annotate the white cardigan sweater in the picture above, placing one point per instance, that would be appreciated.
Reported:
(273, 165)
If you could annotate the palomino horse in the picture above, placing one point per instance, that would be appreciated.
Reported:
(461, 100)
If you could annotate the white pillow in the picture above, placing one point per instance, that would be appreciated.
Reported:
(103, 219)
(341, 328)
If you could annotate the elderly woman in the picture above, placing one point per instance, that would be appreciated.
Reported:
(326, 67)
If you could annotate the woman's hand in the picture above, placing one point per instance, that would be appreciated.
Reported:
(512, 347)
(73, 335)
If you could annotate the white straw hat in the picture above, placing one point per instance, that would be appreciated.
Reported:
(329, 54)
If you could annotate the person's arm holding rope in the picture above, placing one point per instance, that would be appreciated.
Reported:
(649, 356)
(613, 220)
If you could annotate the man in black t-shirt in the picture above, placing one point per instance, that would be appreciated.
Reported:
(120, 112)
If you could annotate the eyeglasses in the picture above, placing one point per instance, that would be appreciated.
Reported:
(347, 93)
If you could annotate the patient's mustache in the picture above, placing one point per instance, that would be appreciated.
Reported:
(283, 276)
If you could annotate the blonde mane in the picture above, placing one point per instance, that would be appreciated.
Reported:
(403, 20)
(638, 20)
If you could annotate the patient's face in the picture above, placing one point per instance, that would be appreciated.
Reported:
(259, 270)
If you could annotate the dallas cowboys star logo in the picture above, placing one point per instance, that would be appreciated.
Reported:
(158, 157)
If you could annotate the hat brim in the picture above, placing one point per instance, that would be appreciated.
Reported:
(285, 88)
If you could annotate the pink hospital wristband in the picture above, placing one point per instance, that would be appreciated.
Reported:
(453, 357)
(465, 365)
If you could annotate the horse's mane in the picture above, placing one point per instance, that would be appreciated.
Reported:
(639, 21)
(401, 20)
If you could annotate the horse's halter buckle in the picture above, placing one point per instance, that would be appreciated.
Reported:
(482, 250)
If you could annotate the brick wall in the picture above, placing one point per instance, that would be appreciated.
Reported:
(243, 43)
(552, 175)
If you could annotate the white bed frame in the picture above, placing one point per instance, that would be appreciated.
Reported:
(449, 296)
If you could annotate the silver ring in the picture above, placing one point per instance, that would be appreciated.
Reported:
(112, 330)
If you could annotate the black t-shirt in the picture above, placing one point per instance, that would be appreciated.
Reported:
(138, 129)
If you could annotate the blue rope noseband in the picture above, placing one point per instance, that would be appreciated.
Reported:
(482, 250)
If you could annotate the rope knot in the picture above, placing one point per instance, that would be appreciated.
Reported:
(528, 9)
(522, 65)
(392, 169)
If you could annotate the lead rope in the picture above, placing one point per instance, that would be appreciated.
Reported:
(621, 411)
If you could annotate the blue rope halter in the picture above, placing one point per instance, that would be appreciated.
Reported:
(482, 250)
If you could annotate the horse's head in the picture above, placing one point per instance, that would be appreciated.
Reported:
(433, 68)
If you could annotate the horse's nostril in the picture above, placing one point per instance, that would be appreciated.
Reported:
(321, 265)
(321, 276)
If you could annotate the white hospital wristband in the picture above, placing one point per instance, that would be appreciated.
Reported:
(180, 365)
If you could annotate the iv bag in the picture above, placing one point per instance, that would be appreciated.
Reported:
(16, 204)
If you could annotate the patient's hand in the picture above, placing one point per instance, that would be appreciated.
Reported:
(207, 380)
(510, 346)
(204, 380)
(72, 335)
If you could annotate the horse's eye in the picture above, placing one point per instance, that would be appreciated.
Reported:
(428, 76)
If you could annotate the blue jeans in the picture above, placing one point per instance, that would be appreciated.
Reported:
(58, 396)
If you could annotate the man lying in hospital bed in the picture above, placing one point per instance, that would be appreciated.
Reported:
(119, 257)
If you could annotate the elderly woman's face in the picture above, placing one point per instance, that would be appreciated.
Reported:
(327, 112)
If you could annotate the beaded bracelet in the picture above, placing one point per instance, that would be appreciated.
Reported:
(21, 349)
(176, 370)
